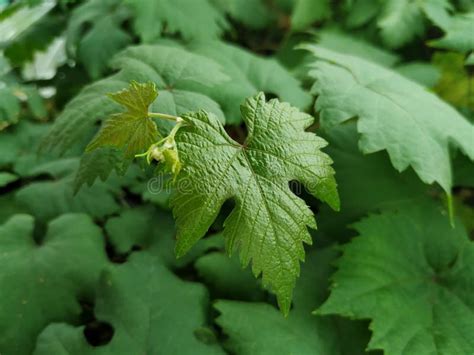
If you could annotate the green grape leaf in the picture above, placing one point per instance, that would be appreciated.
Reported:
(98, 201)
(193, 19)
(401, 21)
(269, 223)
(416, 130)
(249, 74)
(306, 12)
(131, 131)
(179, 75)
(160, 319)
(412, 274)
(42, 283)
(258, 328)
(103, 38)
(458, 36)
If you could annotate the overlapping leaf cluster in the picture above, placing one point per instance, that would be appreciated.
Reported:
(321, 167)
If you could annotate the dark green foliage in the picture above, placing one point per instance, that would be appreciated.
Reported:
(243, 177)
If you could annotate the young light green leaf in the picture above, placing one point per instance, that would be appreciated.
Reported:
(412, 274)
(415, 129)
(160, 319)
(269, 223)
(179, 75)
(131, 131)
(42, 284)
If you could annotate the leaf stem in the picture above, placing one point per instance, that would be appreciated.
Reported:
(164, 116)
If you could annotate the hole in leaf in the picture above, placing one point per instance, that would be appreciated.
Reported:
(98, 333)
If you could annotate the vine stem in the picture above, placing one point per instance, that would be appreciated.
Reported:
(164, 116)
(164, 143)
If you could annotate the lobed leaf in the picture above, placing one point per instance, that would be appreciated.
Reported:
(257, 328)
(416, 130)
(143, 322)
(412, 274)
(42, 283)
(131, 131)
(269, 223)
